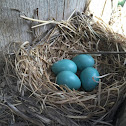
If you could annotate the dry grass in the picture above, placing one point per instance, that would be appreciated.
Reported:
(36, 97)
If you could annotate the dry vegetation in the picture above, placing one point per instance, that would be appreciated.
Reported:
(29, 94)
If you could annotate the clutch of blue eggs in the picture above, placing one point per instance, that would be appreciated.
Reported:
(66, 72)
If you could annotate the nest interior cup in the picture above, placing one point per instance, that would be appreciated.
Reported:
(33, 69)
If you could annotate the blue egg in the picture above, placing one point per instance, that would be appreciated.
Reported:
(89, 78)
(64, 65)
(82, 61)
(69, 79)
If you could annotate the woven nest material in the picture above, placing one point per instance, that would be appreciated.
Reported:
(36, 96)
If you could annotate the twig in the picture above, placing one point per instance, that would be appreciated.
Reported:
(100, 52)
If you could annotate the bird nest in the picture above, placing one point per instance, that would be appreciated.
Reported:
(32, 92)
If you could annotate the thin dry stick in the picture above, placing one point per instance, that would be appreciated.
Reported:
(49, 22)
(100, 52)
(99, 93)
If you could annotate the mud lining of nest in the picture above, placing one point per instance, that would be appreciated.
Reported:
(30, 91)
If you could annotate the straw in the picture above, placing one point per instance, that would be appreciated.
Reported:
(58, 105)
